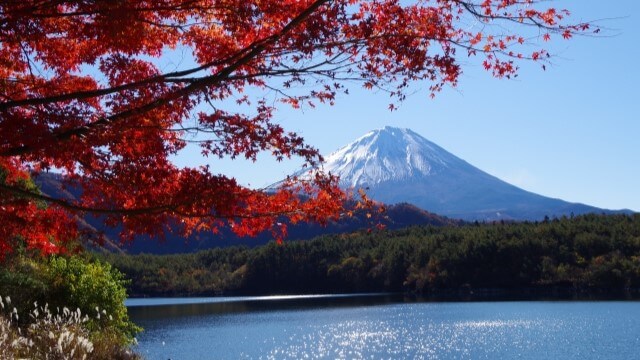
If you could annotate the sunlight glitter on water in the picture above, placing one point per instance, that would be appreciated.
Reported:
(526, 330)
(415, 337)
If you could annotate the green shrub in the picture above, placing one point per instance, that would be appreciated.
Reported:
(95, 288)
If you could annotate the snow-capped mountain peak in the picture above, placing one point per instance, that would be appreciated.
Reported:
(387, 154)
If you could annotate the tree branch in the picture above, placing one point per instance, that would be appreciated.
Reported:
(194, 87)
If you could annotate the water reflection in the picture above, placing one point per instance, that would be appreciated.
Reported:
(167, 308)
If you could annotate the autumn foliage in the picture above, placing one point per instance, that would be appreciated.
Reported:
(86, 90)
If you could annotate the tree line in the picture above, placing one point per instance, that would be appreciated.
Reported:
(589, 253)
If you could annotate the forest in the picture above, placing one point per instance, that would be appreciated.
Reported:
(589, 254)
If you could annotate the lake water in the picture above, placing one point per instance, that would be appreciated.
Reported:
(384, 327)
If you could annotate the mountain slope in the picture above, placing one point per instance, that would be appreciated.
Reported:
(398, 165)
(395, 217)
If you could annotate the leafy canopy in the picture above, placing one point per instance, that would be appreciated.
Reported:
(82, 92)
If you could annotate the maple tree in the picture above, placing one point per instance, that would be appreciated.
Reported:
(82, 92)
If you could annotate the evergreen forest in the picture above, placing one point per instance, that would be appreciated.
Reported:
(590, 254)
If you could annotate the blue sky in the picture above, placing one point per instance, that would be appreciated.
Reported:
(570, 132)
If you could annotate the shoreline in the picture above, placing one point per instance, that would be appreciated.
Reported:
(442, 295)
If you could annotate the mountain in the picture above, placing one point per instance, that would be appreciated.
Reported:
(395, 217)
(398, 165)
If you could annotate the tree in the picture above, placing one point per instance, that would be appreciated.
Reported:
(82, 92)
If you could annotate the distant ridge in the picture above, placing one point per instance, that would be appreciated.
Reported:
(395, 217)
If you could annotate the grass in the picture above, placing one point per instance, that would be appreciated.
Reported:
(59, 334)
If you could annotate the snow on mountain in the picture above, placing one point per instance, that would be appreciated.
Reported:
(398, 165)
(387, 154)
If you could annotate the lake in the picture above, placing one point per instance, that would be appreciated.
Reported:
(378, 326)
